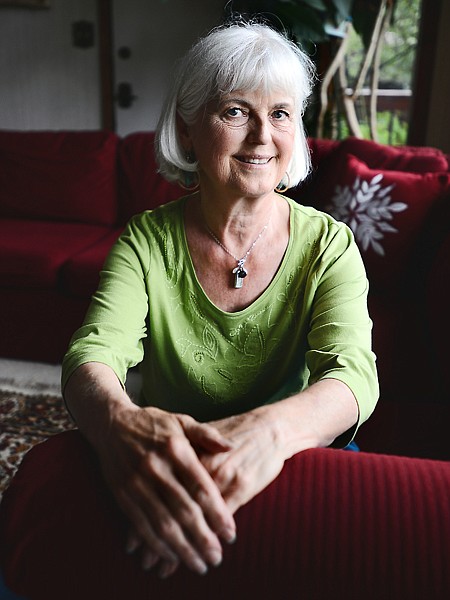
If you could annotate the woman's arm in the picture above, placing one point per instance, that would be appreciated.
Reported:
(267, 436)
(149, 461)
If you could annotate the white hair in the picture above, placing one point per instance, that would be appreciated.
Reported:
(246, 57)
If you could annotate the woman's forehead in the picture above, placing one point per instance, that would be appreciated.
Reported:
(258, 97)
(275, 98)
(265, 83)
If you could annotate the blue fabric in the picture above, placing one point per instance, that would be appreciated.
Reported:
(6, 594)
(353, 446)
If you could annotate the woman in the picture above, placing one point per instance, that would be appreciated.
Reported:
(246, 311)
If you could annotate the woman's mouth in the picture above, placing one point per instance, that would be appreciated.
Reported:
(254, 160)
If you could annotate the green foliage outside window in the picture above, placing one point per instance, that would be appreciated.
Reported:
(321, 27)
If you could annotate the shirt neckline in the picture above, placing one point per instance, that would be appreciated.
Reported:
(262, 298)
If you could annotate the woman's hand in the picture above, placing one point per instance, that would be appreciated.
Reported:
(150, 463)
(255, 460)
(265, 437)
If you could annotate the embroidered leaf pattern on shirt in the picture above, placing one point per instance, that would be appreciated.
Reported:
(254, 345)
(210, 343)
(367, 208)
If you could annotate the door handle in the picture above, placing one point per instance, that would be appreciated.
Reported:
(125, 96)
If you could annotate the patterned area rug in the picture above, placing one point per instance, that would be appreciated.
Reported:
(26, 420)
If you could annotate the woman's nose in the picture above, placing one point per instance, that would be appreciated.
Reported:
(259, 130)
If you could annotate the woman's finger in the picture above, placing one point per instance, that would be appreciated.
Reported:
(133, 542)
(168, 496)
(149, 559)
(203, 490)
(177, 518)
(167, 569)
(143, 528)
(161, 531)
(203, 436)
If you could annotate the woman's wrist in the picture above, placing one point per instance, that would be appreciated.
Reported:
(95, 398)
(289, 430)
(279, 433)
(312, 418)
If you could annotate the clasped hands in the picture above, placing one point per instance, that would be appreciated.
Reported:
(179, 481)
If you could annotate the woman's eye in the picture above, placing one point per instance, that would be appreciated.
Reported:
(280, 115)
(236, 115)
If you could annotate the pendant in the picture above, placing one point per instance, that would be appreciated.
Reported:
(239, 274)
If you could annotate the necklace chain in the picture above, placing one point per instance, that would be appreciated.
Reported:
(239, 271)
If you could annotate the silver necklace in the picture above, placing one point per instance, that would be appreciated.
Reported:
(239, 272)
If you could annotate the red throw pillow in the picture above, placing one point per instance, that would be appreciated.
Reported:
(59, 176)
(385, 210)
(321, 149)
(405, 158)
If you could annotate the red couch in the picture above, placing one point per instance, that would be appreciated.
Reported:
(65, 197)
(334, 524)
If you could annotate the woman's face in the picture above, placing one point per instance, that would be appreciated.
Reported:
(243, 143)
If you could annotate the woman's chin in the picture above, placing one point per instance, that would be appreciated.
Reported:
(256, 189)
(240, 187)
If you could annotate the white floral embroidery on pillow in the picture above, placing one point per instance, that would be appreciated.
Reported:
(366, 207)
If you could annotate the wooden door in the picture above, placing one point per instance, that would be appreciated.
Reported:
(148, 36)
(49, 66)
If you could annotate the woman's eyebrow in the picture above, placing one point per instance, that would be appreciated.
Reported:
(288, 105)
(235, 101)
(248, 104)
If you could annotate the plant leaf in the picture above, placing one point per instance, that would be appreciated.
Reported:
(364, 16)
(343, 8)
(307, 24)
(317, 4)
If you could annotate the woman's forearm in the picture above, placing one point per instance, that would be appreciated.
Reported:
(313, 418)
(149, 463)
(264, 438)
(93, 394)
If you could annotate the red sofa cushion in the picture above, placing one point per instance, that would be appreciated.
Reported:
(413, 413)
(321, 149)
(418, 159)
(141, 187)
(334, 524)
(62, 176)
(33, 252)
(385, 209)
(80, 274)
(37, 325)
(438, 306)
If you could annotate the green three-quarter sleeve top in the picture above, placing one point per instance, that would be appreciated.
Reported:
(311, 322)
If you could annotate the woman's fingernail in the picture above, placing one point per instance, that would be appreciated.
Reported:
(170, 557)
(149, 561)
(215, 557)
(167, 569)
(132, 546)
(199, 566)
(229, 535)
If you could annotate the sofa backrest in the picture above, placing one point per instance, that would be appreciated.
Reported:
(384, 194)
(59, 176)
(141, 187)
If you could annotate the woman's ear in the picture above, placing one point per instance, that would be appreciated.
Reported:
(183, 133)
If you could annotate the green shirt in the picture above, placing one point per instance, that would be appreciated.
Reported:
(310, 323)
